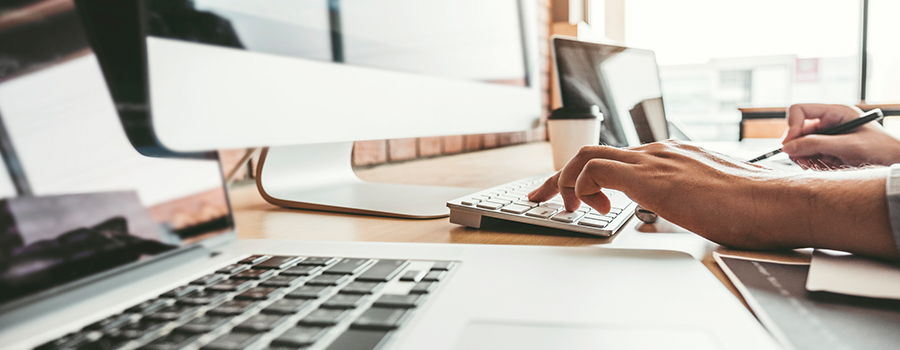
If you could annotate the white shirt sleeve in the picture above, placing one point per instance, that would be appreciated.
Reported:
(893, 199)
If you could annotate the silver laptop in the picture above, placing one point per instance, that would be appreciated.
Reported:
(108, 243)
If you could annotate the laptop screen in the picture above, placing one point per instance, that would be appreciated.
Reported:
(76, 197)
(623, 81)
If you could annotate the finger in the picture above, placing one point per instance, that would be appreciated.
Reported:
(597, 175)
(815, 145)
(546, 191)
(827, 115)
(569, 174)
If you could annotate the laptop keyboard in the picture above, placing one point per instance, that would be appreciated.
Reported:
(274, 302)
(510, 202)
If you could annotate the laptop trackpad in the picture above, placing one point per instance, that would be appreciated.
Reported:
(511, 336)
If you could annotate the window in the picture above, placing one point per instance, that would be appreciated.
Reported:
(716, 56)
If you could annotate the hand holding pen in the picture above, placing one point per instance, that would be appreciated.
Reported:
(804, 122)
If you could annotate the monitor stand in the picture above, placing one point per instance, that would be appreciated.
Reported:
(320, 177)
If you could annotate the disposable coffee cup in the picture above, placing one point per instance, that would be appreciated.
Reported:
(571, 128)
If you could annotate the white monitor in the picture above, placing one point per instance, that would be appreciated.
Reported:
(310, 77)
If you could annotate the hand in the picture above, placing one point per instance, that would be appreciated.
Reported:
(731, 202)
(700, 190)
(866, 145)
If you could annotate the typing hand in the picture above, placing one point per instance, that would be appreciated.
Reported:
(705, 192)
(867, 144)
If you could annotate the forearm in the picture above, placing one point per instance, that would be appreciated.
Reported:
(841, 210)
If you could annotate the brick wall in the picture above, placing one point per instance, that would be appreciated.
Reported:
(371, 153)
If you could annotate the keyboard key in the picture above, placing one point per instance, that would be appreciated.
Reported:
(507, 198)
(204, 297)
(320, 261)
(288, 306)
(443, 265)
(177, 292)
(258, 293)
(529, 204)
(203, 324)
(381, 318)
(515, 209)
(383, 270)
(136, 330)
(413, 276)
(231, 285)
(309, 292)
(328, 280)
(471, 202)
(615, 211)
(567, 216)
(277, 262)
(233, 269)
(104, 343)
(173, 313)
(434, 276)
(347, 266)
(345, 301)
(593, 223)
(423, 288)
(398, 300)
(233, 307)
(325, 317)
(283, 281)
(541, 212)
(233, 341)
(253, 259)
(302, 270)
(253, 274)
(261, 323)
(357, 287)
(70, 341)
(594, 216)
(554, 204)
(172, 341)
(209, 279)
(148, 306)
(359, 339)
(490, 205)
(299, 336)
(111, 322)
(499, 201)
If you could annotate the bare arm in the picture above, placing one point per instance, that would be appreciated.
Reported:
(734, 203)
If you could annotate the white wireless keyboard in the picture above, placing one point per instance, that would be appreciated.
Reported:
(510, 202)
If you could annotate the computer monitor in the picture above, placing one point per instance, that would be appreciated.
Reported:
(214, 74)
(622, 81)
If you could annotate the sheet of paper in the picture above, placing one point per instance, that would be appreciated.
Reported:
(844, 273)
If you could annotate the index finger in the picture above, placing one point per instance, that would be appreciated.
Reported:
(547, 190)
(554, 185)
(799, 115)
(568, 176)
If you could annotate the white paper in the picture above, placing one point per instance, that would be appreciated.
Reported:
(844, 273)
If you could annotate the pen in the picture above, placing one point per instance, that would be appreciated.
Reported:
(843, 128)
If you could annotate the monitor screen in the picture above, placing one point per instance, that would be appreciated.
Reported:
(623, 82)
(77, 199)
(422, 37)
(273, 73)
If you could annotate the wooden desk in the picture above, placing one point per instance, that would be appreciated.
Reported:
(257, 219)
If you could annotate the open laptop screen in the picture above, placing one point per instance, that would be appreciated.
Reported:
(623, 81)
(76, 197)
